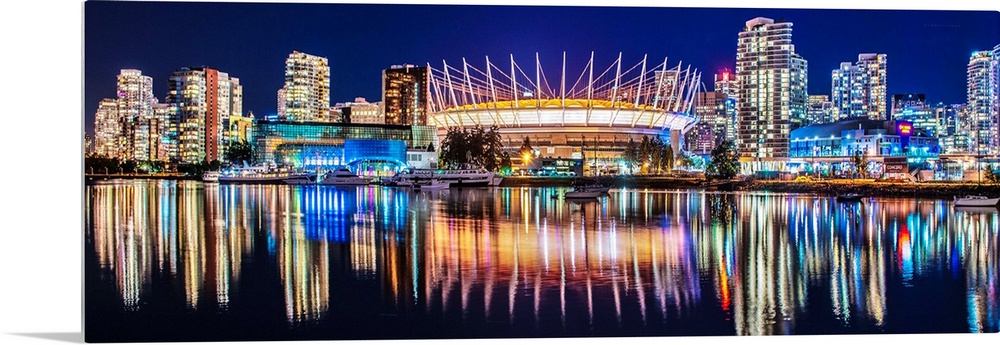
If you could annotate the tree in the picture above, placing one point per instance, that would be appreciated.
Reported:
(725, 162)
(861, 163)
(526, 149)
(505, 163)
(239, 151)
(631, 155)
(475, 146)
(645, 149)
(668, 152)
(430, 147)
(656, 157)
(993, 176)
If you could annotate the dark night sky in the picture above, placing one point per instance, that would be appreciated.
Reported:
(927, 50)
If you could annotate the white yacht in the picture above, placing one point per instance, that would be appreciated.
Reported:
(431, 184)
(260, 174)
(342, 177)
(977, 201)
(301, 180)
(454, 177)
(210, 176)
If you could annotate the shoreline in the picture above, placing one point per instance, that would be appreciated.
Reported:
(823, 187)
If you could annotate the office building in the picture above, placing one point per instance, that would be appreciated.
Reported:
(405, 93)
(771, 81)
(307, 88)
(859, 90)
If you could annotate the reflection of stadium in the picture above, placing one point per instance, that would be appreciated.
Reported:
(593, 114)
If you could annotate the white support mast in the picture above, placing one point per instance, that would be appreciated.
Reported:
(451, 90)
(590, 89)
(562, 90)
(513, 87)
(538, 89)
(659, 89)
(493, 90)
(614, 91)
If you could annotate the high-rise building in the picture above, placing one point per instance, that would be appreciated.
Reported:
(87, 143)
(307, 88)
(725, 83)
(405, 95)
(206, 99)
(771, 81)
(710, 109)
(164, 135)
(859, 90)
(821, 110)
(282, 97)
(982, 123)
(108, 139)
(135, 108)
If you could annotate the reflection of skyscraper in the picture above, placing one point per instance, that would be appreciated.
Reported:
(307, 88)
(405, 95)
(772, 81)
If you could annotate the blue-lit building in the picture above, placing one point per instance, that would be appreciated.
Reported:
(869, 137)
(368, 149)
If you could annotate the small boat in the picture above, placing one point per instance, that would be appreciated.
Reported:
(976, 209)
(850, 197)
(583, 194)
(300, 180)
(431, 184)
(342, 177)
(210, 176)
(976, 201)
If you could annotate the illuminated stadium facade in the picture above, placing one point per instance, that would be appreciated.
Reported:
(590, 115)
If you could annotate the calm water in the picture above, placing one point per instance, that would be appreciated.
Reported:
(168, 260)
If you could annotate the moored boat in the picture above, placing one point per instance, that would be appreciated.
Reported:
(583, 194)
(976, 201)
(850, 197)
(455, 177)
(210, 176)
(431, 184)
(342, 177)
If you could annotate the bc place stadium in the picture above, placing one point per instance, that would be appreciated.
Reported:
(588, 115)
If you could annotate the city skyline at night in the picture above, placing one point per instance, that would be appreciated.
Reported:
(929, 49)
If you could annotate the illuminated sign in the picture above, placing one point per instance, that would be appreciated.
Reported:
(904, 128)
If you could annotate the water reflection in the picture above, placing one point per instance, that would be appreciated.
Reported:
(748, 264)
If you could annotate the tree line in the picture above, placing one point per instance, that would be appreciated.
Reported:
(478, 146)
(238, 152)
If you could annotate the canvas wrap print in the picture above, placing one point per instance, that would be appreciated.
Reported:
(290, 171)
